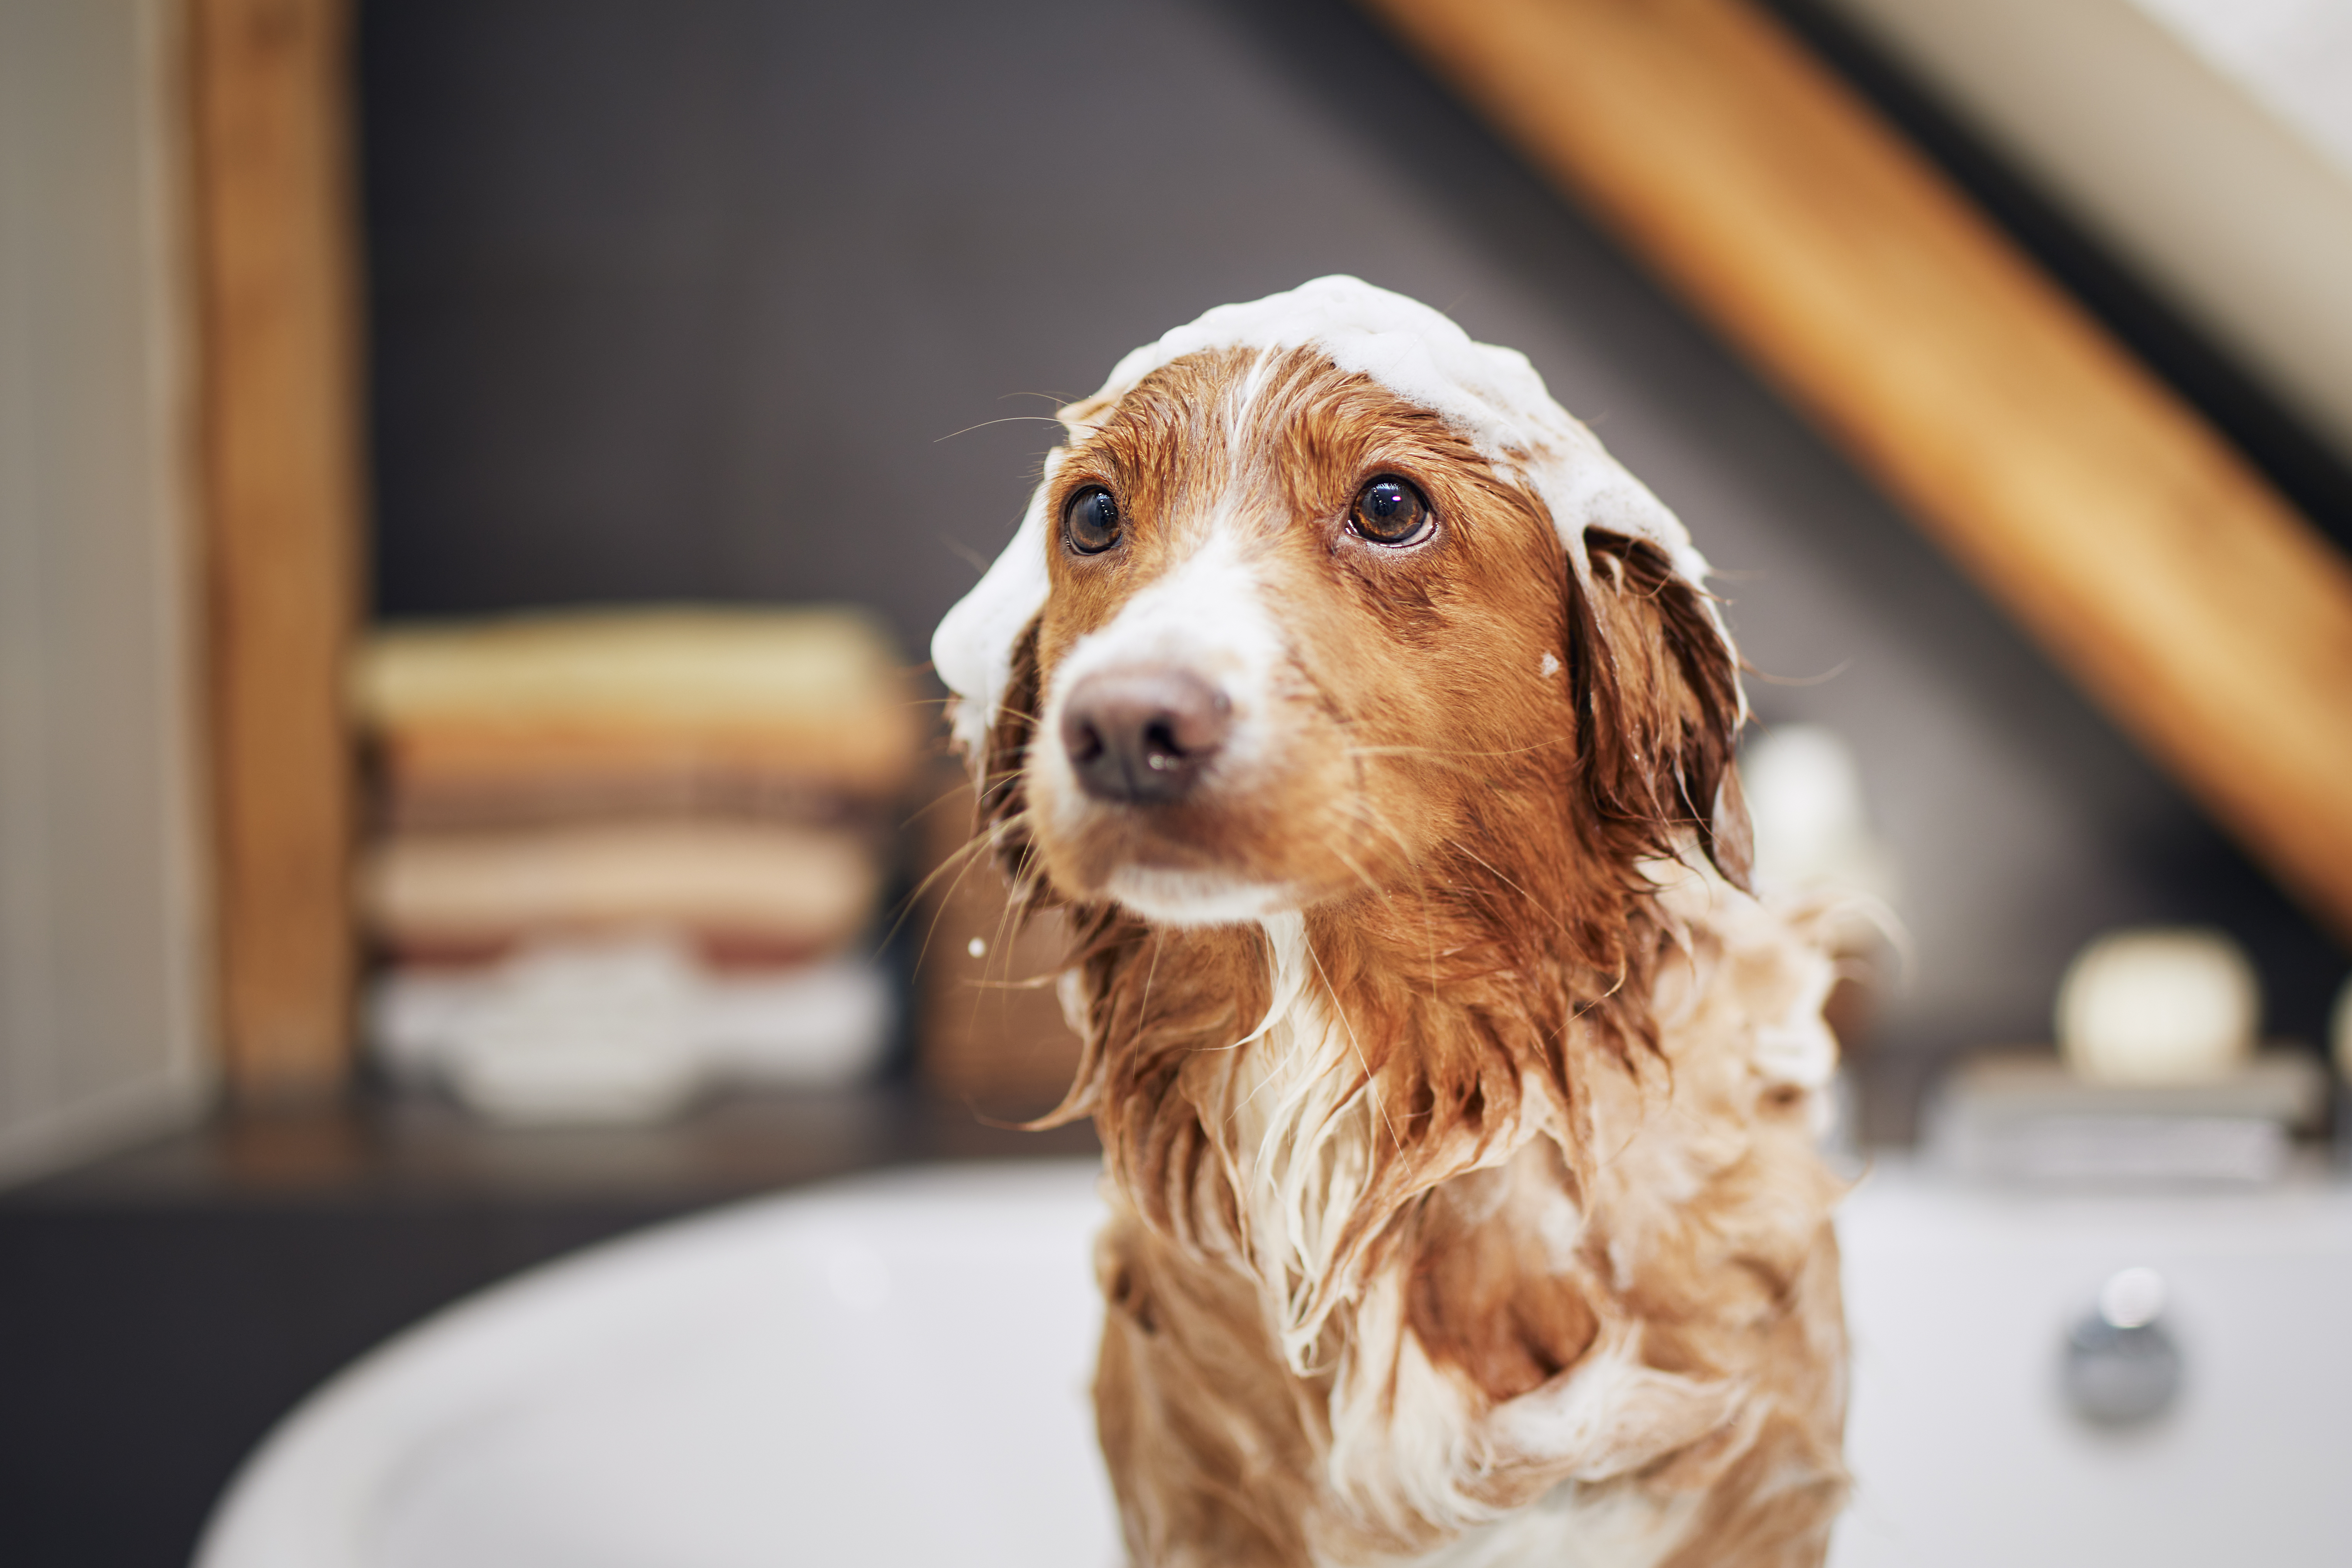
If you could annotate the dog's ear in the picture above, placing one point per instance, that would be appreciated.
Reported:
(1003, 801)
(1658, 709)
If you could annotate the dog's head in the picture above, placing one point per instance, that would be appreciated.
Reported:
(1318, 589)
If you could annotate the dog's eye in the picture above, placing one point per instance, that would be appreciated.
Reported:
(1391, 511)
(1091, 521)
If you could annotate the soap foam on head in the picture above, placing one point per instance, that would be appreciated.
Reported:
(1492, 396)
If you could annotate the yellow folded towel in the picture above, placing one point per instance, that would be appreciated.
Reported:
(814, 694)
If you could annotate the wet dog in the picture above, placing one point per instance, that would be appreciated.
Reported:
(1375, 730)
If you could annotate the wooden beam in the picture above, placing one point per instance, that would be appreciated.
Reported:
(275, 246)
(2145, 554)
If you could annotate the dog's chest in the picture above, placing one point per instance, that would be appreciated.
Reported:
(1576, 1526)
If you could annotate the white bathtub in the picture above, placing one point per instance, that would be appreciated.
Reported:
(893, 1372)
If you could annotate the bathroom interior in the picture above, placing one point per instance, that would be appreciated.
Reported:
(477, 865)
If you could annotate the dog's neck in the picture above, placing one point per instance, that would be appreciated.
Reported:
(1279, 1093)
(1485, 1191)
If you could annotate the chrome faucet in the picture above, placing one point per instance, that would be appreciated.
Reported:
(2121, 1366)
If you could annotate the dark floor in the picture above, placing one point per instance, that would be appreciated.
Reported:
(159, 1310)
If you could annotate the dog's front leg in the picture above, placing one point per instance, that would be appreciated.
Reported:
(1202, 1427)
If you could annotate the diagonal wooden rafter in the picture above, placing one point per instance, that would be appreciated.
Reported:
(2153, 562)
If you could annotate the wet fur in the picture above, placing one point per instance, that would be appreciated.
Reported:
(1467, 1213)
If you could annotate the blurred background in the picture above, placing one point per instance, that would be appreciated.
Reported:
(680, 364)
(757, 303)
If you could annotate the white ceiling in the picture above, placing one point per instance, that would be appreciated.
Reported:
(2293, 56)
(2207, 141)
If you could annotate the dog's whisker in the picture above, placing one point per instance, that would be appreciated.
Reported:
(1457, 752)
(959, 789)
(905, 908)
(970, 853)
(1368, 813)
(1143, 1004)
(1007, 419)
(1361, 875)
(1548, 912)
(999, 949)
(956, 857)
(1372, 1081)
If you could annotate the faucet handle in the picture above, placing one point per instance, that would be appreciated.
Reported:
(2121, 1366)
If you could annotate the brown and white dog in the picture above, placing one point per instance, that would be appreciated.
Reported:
(1460, 1107)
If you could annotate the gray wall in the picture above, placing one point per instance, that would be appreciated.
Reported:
(102, 1019)
(719, 299)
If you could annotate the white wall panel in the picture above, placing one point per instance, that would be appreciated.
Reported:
(101, 1035)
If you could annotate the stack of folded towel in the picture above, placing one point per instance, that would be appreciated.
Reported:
(622, 853)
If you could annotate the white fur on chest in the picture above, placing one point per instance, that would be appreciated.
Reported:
(1576, 1526)
(1306, 1123)
(1303, 1119)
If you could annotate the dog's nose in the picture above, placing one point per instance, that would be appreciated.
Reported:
(1142, 735)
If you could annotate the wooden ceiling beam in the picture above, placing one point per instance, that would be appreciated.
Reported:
(2149, 559)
